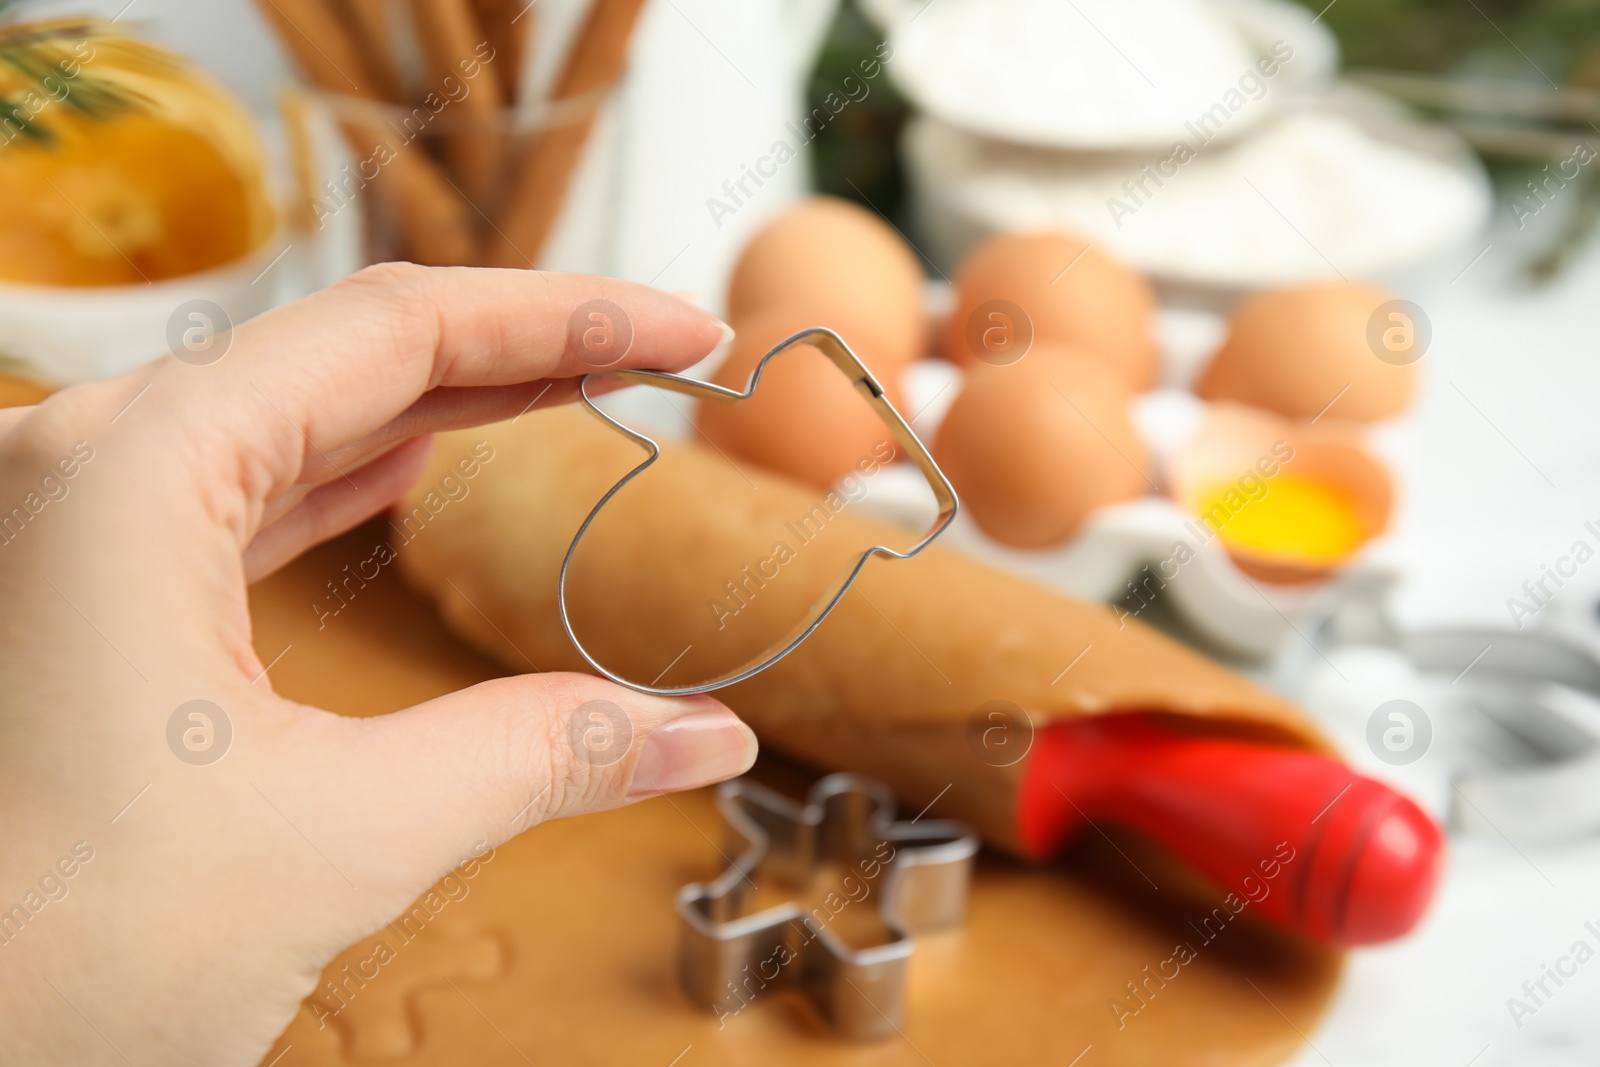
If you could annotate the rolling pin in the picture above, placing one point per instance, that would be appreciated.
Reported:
(1125, 726)
(1294, 835)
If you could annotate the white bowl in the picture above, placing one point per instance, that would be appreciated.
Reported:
(65, 334)
(1344, 186)
(1105, 75)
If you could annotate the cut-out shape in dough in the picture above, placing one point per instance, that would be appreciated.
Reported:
(368, 994)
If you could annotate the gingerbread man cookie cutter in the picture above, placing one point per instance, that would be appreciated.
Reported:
(834, 348)
(918, 873)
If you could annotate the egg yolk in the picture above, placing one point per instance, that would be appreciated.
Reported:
(1299, 519)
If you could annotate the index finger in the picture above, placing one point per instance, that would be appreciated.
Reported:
(381, 355)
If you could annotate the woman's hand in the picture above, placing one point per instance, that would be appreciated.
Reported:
(155, 912)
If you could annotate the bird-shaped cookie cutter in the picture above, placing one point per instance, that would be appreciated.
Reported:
(834, 348)
(915, 873)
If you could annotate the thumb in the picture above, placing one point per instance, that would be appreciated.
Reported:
(440, 780)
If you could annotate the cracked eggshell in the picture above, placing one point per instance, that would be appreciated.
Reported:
(1234, 442)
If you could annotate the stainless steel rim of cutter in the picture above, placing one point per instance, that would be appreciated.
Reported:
(849, 364)
(1542, 684)
(1528, 682)
(728, 960)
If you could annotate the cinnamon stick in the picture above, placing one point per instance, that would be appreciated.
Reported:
(293, 108)
(429, 217)
(509, 27)
(473, 138)
(374, 34)
(324, 52)
(539, 188)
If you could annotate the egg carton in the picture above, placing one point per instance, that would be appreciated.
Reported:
(1128, 554)
(1148, 558)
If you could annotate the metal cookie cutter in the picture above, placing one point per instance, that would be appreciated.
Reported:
(1544, 688)
(918, 873)
(831, 345)
(1541, 686)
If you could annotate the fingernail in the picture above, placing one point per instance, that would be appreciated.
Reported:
(690, 751)
(719, 351)
(728, 334)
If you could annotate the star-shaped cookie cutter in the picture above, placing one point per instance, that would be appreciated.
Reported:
(917, 872)
(834, 348)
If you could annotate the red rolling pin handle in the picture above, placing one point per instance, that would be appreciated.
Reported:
(1301, 838)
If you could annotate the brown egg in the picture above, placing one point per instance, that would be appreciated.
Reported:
(1032, 448)
(836, 262)
(1055, 289)
(1297, 351)
(805, 419)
